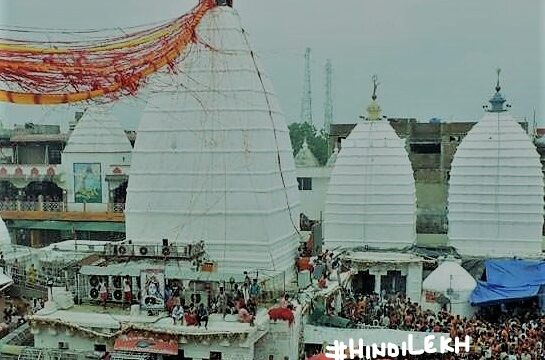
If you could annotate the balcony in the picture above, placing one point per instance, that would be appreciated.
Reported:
(38, 210)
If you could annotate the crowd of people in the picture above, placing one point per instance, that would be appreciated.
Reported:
(15, 310)
(241, 301)
(320, 267)
(506, 333)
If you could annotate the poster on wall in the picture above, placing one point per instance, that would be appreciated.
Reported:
(152, 285)
(87, 183)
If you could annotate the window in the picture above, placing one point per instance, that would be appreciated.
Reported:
(54, 156)
(434, 148)
(100, 348)
(215, 355)
(304, 183)
(63, 345)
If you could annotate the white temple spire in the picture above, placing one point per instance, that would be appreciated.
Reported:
(213, 159)
(371, 197)
(496, 189)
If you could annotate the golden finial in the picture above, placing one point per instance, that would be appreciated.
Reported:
(498, 87)
(375, 86)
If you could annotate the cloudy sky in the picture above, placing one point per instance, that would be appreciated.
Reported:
(434, 58)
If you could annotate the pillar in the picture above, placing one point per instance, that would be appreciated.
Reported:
(46, 160)
(19, 199)
(35, 238)
(378, 278)
(64, 199)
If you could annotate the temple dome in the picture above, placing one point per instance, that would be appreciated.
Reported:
(496, 189)
(213, 160)
(451, 280)
(305, 157)
(371, 196)
(449, 275)
(98, 132)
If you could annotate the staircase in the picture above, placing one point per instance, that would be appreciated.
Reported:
(21, 336)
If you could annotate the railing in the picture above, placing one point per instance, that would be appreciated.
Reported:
(49, 206)
(31, 206)
(38, 281)
(8, 205)
(116, 207)
(53, 206)
(28, 206)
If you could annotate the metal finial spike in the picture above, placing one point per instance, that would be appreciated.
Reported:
(375, 86)
(498, 87)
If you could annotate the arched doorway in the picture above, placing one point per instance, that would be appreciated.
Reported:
(118, 198)
(50, 191)
(8, 196)
(8, 192)
(119, 194)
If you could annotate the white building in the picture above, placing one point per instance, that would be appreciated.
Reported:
(213, 159)
(95, 161)
(371, 197)
(77, 329)
(453, 283)
(386, 272)
(313, 181)
(496, 189)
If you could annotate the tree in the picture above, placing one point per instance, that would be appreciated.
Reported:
(317, 140)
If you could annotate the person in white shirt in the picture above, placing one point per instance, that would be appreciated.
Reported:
(177, 313)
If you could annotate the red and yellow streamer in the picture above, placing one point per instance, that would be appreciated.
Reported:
(59, 75)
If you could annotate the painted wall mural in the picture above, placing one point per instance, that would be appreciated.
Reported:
(87, 183)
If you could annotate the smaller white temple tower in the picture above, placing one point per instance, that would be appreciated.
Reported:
(97, 147)
(371, 198)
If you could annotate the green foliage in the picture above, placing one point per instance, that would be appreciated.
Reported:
(317, 140)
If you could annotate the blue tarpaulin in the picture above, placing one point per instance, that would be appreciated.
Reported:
(509, 280)
(515, 273)
(488, 294)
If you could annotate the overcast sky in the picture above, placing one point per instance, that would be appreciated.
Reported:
(434, 58)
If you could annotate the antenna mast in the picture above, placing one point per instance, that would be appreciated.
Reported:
(306, 104)
(328, 106)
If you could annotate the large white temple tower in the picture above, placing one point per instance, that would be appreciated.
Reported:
(371, 199)
(213, 160)
(496, 188)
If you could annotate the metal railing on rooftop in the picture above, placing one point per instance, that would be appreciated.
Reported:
(49, 206)
(116, 207)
